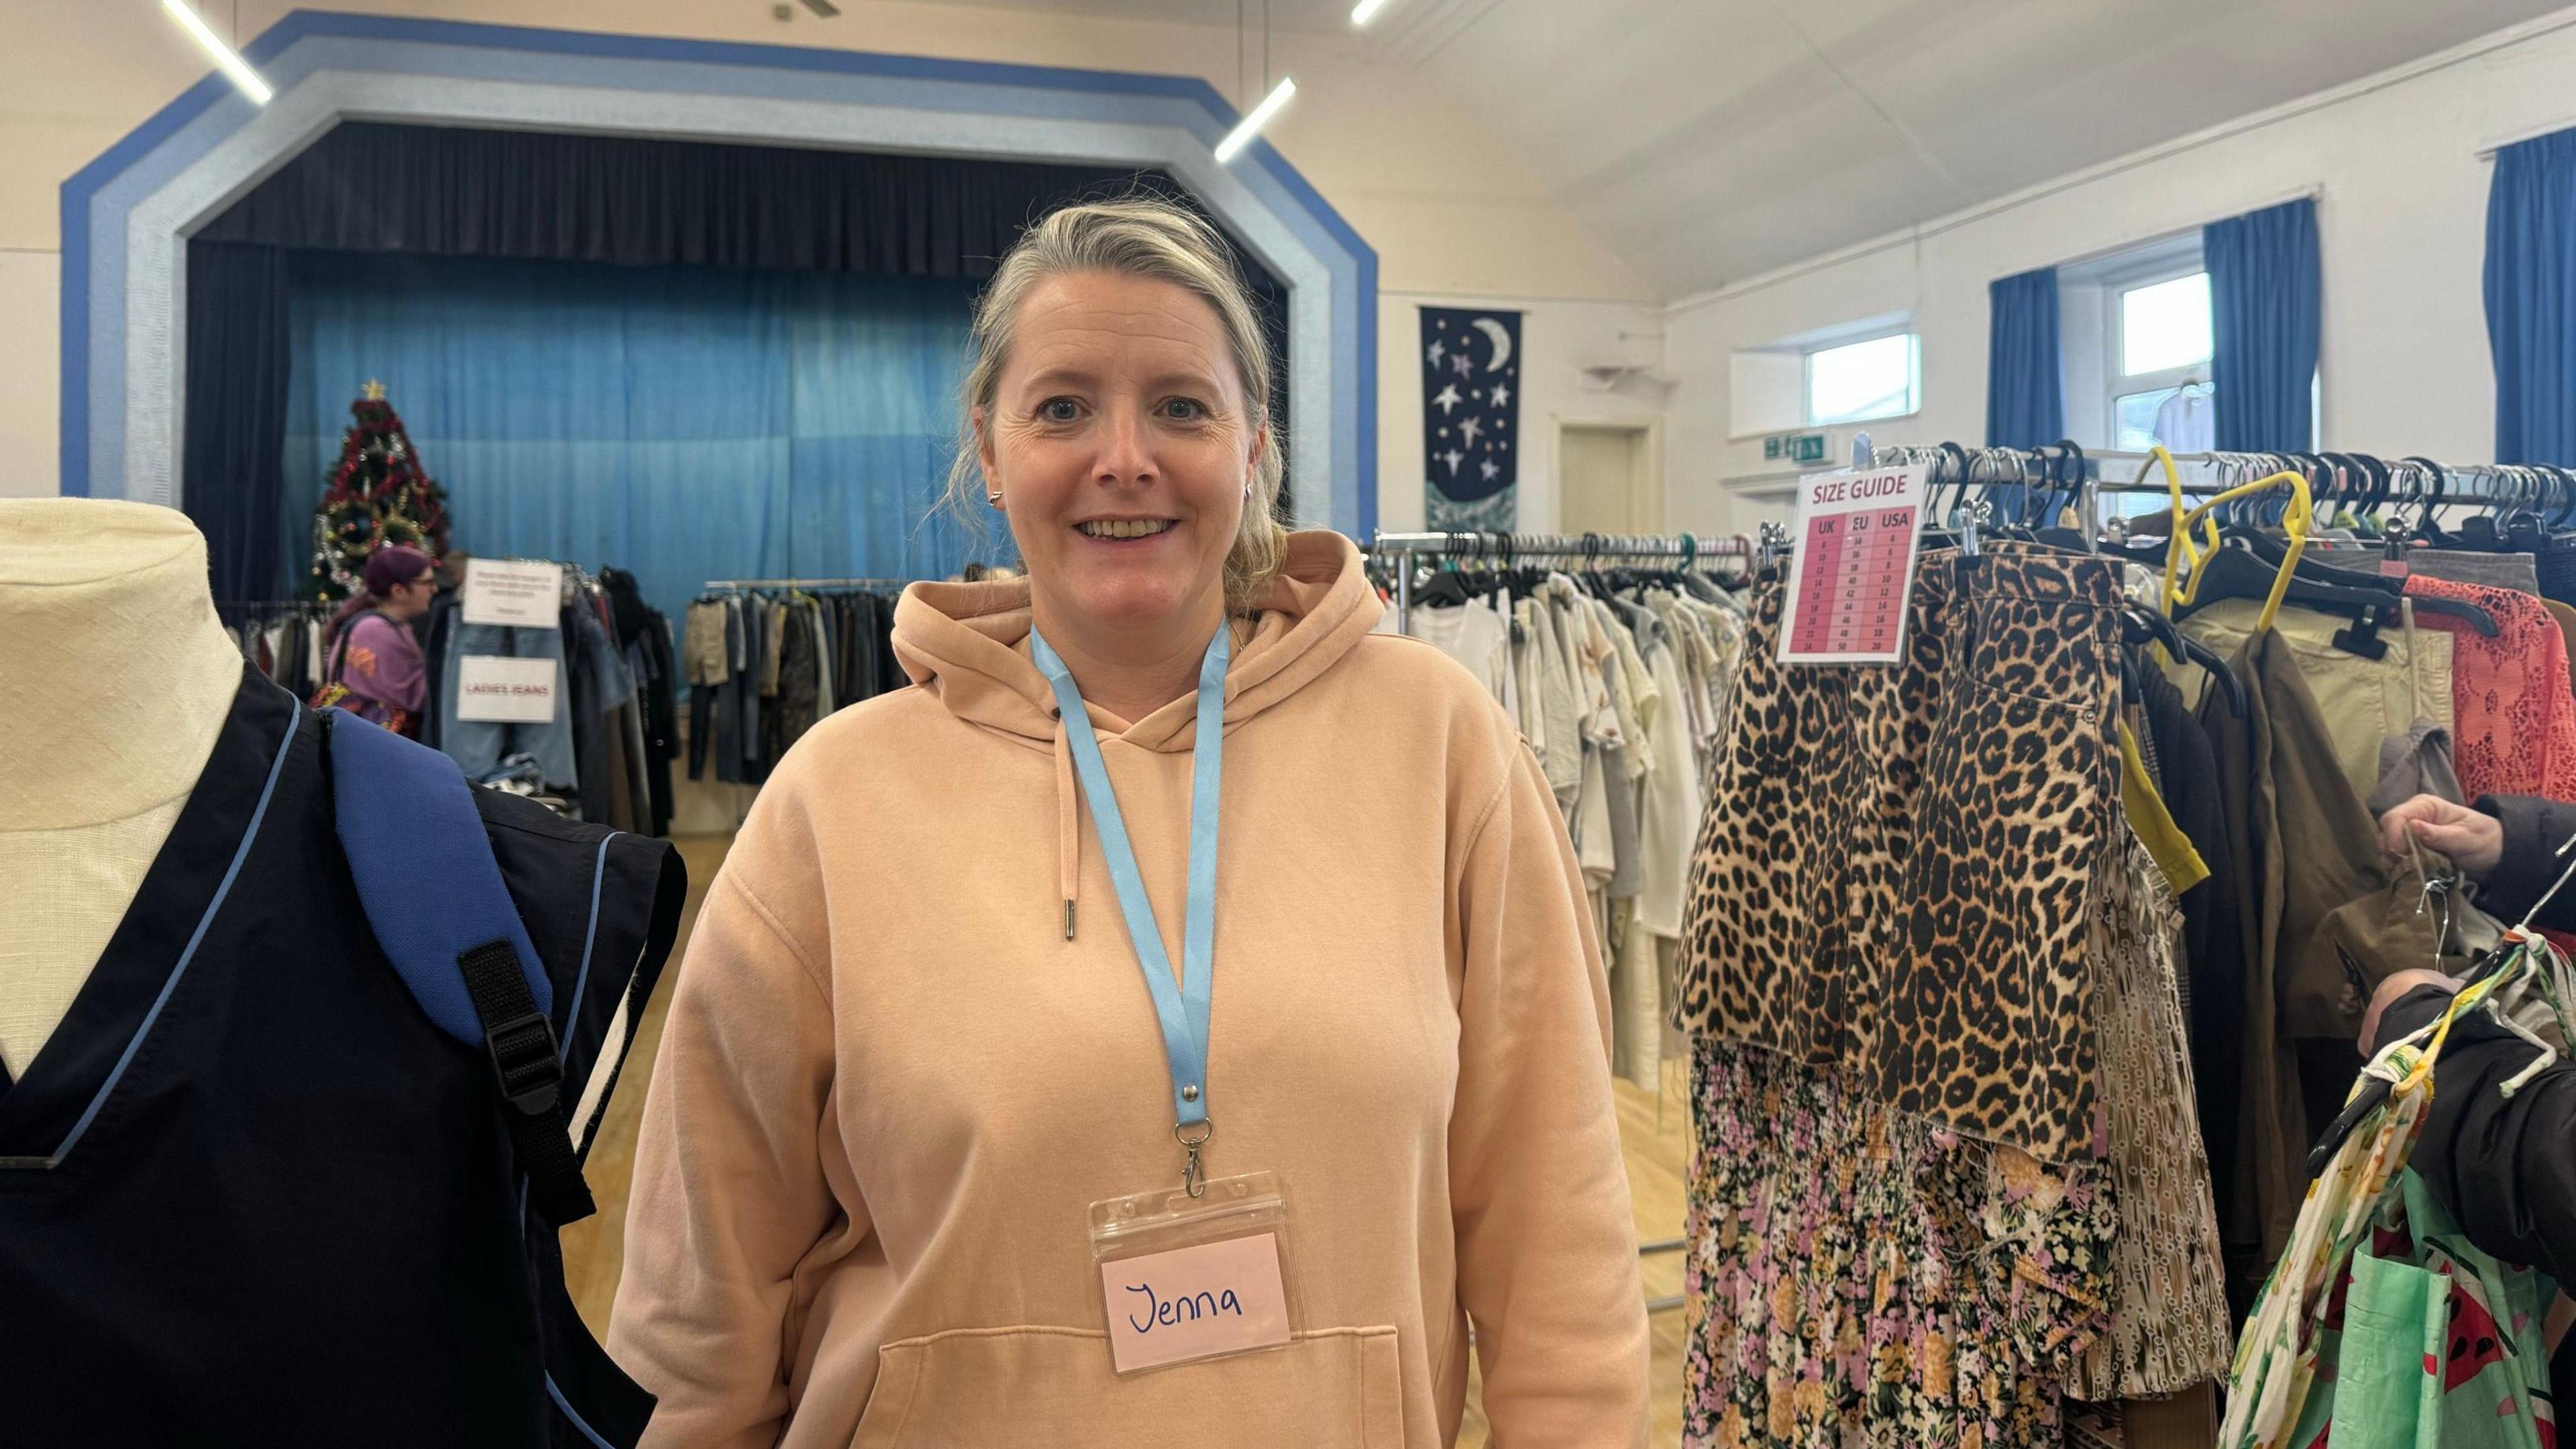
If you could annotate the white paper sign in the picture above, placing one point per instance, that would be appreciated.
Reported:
(518, 595)
(496, 689)
(1857, 536)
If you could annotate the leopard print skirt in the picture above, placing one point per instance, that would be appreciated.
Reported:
(1795, 881)
(1894, 868)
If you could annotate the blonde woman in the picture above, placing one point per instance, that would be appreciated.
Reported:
(915, 1040)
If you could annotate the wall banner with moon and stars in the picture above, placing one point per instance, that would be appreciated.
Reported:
(1471, 410)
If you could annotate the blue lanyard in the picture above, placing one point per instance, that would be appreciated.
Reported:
(1183, 1003)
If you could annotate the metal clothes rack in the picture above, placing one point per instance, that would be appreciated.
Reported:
(1590, 547)
(737, 585)
(2412, 481)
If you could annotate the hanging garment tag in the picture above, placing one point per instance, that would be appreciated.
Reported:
(514, 594)
(497, 689)
(1857, 537)
(1186, 1279)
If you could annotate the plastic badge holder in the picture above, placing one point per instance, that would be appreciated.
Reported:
(1188, 1279)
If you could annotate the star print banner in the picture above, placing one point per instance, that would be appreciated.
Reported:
(1471, 433)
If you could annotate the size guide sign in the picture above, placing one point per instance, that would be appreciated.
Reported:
(1856, 538)
(514, 594)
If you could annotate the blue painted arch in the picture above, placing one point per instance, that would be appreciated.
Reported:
(127, 215)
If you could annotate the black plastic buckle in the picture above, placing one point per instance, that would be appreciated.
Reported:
(528, 1060)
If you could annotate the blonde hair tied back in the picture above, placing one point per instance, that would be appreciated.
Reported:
(1136, 237)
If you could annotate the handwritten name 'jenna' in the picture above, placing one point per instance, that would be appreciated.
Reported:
(1188, 1308)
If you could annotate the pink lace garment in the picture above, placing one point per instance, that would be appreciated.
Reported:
(2516, 726)
(2516, 731)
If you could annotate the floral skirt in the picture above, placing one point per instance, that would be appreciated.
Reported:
(1858, 1277)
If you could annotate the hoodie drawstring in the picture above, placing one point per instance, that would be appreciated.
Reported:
(1068, 811)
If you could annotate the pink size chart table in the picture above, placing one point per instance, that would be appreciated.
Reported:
(1856, 537)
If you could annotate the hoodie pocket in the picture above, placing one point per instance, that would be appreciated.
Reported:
(1003, 1388)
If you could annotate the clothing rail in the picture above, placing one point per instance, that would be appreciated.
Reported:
(2122, 470)
(2468, 485)
(712, 585)
(1686, 547)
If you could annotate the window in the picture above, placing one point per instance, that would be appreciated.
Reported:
(1880, 377)
(2161, 344)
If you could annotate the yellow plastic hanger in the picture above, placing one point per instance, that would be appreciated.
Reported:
(2183, 557)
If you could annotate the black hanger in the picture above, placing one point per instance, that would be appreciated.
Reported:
(1444, 589)
(2427, 526)
(2146, 626)
(2237, 572)
(2066, 483)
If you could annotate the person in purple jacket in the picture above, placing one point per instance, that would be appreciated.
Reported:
(374, 655)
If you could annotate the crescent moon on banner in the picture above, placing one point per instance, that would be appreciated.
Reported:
(1501, 339)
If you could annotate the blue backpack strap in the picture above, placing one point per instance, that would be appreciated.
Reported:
(435, 898)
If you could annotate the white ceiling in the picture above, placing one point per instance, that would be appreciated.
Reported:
(1708, 140)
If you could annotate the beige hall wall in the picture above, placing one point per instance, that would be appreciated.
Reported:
(1452, 214)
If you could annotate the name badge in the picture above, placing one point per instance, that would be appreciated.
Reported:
(1194, 1303)
(1186, 1279)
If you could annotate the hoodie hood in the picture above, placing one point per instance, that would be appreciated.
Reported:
(968, 644)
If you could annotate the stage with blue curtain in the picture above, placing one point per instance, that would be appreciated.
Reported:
(690, 360)
(684, 423)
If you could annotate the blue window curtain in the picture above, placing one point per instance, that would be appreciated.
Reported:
(2531, 298)
(2025, 389)
(686, 423)
(2025, 392)
(2264, 303)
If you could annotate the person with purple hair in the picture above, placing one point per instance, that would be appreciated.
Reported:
(377, 671)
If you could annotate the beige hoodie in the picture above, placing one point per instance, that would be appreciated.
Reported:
(890, 1086)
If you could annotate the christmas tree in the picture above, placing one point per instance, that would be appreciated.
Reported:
(378, 496)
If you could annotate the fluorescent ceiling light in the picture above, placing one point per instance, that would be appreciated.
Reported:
(225, 59)
(1249, 127)
(1366, 11)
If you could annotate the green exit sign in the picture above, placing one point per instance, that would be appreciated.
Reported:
(1794, 448)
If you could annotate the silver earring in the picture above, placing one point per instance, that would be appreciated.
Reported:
(993, 498)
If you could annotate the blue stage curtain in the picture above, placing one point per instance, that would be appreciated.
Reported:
(2264, 303)
(235, 414)
(400, 193)
(686, 423)
(2531, 298)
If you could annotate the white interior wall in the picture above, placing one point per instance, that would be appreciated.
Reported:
(2401, 218)
(1448, 208)
(30, 369)
(1457, 222)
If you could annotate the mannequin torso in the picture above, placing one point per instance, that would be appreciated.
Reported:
(115, 678)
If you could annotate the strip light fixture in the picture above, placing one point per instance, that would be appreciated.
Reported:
(1366, 11)
(1250, 126)
(225, 57)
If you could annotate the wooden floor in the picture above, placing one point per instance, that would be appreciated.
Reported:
(1656, 1134)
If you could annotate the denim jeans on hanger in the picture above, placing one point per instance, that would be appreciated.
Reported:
(479, 746)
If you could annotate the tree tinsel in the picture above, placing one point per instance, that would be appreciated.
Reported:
(378, 496)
